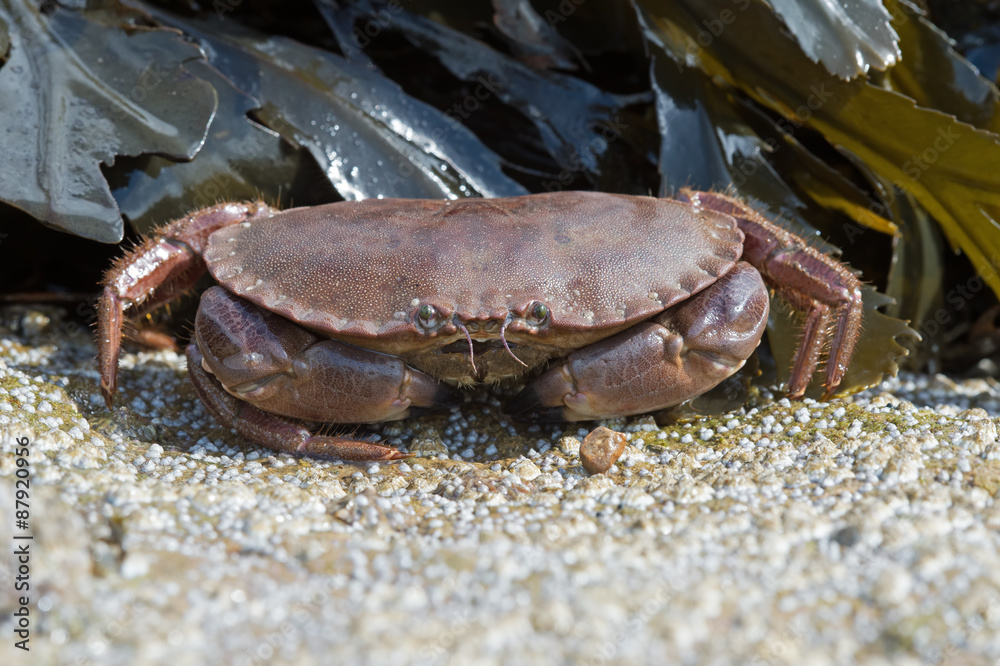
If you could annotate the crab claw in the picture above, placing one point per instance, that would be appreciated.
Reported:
(277, 432)
(284, 369)
(529, 406)
(677, 355)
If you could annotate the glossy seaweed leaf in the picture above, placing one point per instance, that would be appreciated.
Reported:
(691, 144)
(918, 267)
(847, 37)
(951, 168)
(370, 138)
(707, 143)
(575, 120)
(241, 160)
(936, 76)
(75, 92)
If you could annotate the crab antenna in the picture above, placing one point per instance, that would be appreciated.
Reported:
(505, 346)
(472, 354)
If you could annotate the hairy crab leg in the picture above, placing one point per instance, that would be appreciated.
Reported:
(808, 280)
(276, 432)
(155, 272)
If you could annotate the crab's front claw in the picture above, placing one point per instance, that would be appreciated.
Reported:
(276, 432)
(261, 374)
(680, 354)
(284, 369)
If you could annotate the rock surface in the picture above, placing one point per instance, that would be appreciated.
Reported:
(864, 530)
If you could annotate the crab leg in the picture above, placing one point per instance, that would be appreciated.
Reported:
(276, 432)
(155, 272)
(811, 282)
(683, 352)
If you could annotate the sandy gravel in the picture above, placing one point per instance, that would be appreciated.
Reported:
(857, 531)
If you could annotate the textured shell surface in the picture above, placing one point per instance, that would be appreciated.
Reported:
(363, 269)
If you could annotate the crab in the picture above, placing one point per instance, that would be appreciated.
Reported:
(365, 311)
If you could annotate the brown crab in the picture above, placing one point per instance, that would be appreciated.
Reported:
(358, 312)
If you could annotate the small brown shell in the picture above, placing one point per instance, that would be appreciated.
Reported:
(361, 269)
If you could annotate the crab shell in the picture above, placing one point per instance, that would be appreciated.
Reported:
(363, 273)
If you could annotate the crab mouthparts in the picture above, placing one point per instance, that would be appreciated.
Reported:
(472, 354)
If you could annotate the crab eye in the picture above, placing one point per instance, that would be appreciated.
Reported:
(427, 314)
(539, 312)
